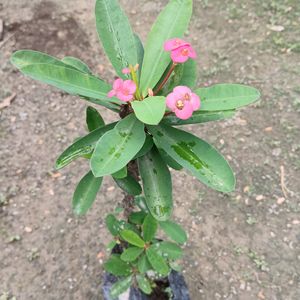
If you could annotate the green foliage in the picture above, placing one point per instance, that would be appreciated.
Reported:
(77, 64)
(149, 228)
(169, 250)
(174, 231)
(157, 261)
(199, 116)
(112, 224)
(151, 110)
(226, 96)
(144, 284)
(132, 238)
(93, 119)
(117, 267)
(117, 147)
(120, 287)
(129, 185)
(157, 185)
(131, 254)
(172, 22)
(116, 35)
(83, 146)
(85, 193)
(196, 155)
(122, 173)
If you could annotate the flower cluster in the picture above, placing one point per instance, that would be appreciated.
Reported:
(123, 89)
(181, 101)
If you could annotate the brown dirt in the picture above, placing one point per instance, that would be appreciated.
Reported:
(241, 246)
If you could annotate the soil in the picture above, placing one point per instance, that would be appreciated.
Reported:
(243, 245)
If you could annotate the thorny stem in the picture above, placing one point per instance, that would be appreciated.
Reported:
(165, 79)
(128, 200)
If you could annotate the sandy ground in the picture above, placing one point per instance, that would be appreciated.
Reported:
(241, 246)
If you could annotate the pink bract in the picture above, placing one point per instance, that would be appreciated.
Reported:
(173, 44)
(183, 102)
(183, 53)
(124, 90)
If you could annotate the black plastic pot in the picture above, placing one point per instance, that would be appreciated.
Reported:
(176, 283)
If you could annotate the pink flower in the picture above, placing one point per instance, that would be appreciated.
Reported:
(183, 102)
(181, 51)
(173, 44)
(124, 90)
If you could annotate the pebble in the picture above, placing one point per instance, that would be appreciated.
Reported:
(28, 229)
(260, 197)
(280, 200)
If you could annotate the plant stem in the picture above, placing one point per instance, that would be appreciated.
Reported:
(165, 79)
(128, 200)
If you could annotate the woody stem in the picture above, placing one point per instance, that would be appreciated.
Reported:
(162, 84)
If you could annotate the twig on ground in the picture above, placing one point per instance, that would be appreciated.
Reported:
(284, 189)
(1, 29)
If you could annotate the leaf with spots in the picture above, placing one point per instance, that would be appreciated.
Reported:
(117, 147)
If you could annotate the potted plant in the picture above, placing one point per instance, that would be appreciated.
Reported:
(154, 93)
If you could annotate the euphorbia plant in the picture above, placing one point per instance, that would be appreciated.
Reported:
(154, 92)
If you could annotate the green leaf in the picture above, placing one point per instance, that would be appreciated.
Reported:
(122, 173)
(184, 75)
(156, 261)
(143, 264)
(169, 160)
(172, 22)
(199, 116)
(112, 224)
(140, 51)
(82, 146)
(144, 284)
(70, 80)
(116, 35)
(157, 184)
(132, 238)
(174, 231)
(226, 96)
(85, 193)
(117, 267)
(146, 147)
(149, 228)
(131, 254)
(140, 201)
(117, 147)
(111, 246)
(137, 217)
(129, 185)
(169, 250)
(23, 58)
(77, 64)
(150, 110)
(120, 286)
(196, 155)
(93, 119)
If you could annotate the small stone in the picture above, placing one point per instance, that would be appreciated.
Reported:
(261, 295)
(280, 200)
(277, 28)
(268, 129)
(246, 189)
(242, 285)
(110, 189)
(296, 222)
(28, 229)
(260, 197)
